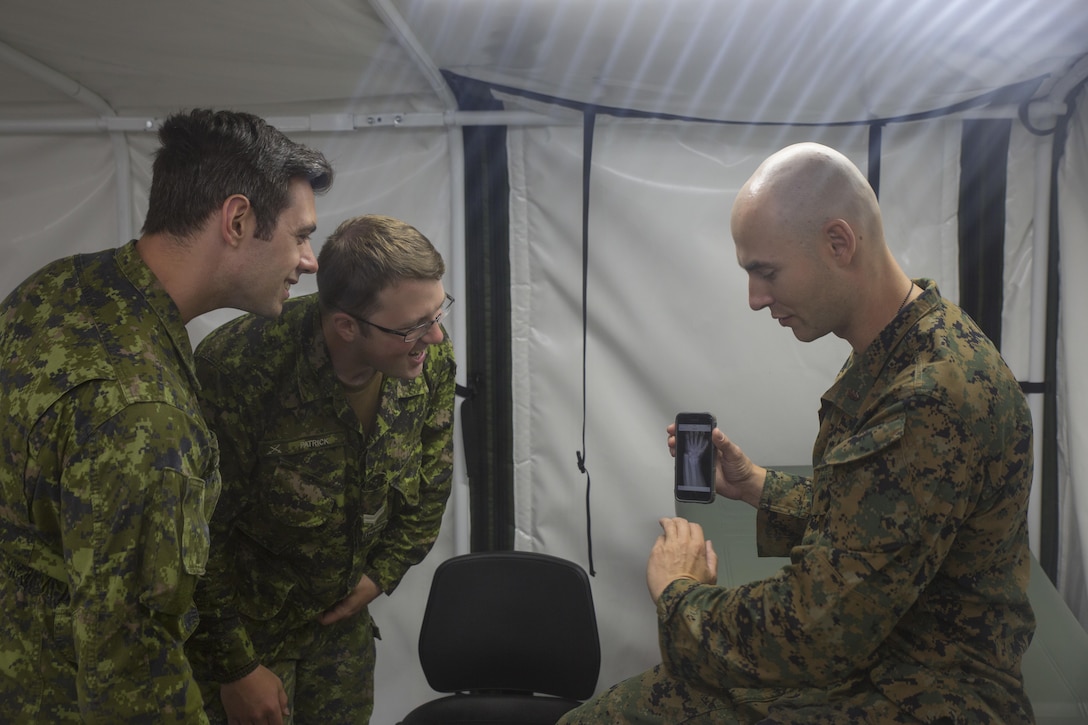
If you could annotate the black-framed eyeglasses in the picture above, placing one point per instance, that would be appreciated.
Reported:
(412, 333)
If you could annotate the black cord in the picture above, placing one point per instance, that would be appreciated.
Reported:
(1005, 94)
(590, 118)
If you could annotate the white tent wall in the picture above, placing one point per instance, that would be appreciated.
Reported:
(1072, 384)
(669, 326)
(57, 196)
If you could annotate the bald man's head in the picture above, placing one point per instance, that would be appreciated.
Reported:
(801, 188)
(807, 229)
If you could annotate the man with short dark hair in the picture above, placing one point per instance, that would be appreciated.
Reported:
(108, 472)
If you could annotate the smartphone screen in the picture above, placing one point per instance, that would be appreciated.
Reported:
(694, 457)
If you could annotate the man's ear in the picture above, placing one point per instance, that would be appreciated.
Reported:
(236, 219)
(345, 327)
(841, 241)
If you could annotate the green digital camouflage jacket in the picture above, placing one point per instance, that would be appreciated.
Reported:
(107, 480)
(309, 504)
(908, 547)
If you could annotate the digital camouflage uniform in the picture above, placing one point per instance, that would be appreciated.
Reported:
(310, 505)
(107, 480)
(906, 597)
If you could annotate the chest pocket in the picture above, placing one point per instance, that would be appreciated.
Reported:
(854, 484)
(303, 488)
(298, 497)
(175, 540)
(406, 481)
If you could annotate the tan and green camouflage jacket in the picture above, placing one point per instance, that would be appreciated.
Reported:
(908, 547)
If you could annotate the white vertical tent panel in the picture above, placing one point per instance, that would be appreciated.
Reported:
(1020, 239)
(1072, 383)
(669, 329)
(1023, 320)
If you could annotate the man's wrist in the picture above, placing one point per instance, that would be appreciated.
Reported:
(673, 592)
(240, 672)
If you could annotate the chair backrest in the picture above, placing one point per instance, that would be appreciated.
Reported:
(510, 621)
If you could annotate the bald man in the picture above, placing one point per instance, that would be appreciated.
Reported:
(906, 597)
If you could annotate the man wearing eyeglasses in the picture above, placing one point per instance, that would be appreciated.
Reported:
(335, 423)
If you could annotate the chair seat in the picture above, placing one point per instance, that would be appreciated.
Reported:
(491, 709)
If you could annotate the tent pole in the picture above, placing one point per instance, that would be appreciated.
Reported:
(346, 122)
(288, 124)
(71, 88)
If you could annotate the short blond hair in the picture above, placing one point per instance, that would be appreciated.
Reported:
(368, 253)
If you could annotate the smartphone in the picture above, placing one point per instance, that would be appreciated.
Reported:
(694, 457)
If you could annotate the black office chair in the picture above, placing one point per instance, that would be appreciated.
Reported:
(513, 635)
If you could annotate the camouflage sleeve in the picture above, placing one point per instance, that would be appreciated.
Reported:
(418, 506)
(134, 520)
(221, 648)
(783, 513)
(883, 519)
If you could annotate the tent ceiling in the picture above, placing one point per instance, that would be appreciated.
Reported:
(743, 60)
(155, 57)
(755, 60)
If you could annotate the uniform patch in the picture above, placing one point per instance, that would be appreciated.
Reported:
(301, 445)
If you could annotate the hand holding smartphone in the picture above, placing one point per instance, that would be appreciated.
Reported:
(694, 457)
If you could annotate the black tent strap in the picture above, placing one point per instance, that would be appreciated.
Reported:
(1018, 93)
(588, 123)
(876, 143)
(1030, 388)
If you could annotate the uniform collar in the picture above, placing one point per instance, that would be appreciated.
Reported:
(316, 377)
(136, 271)
(862, 370)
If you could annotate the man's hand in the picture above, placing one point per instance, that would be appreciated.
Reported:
(680, 552)
(256, 699)
(735, 476)
(363, 594)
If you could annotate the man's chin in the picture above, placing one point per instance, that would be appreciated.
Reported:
(805, 335)
(271, 310)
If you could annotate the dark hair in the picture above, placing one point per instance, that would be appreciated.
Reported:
(206, 156)
(368, 253)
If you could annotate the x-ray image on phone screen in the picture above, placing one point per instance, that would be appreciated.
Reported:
(694, 457)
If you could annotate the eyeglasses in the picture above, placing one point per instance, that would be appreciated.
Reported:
(412, 333)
